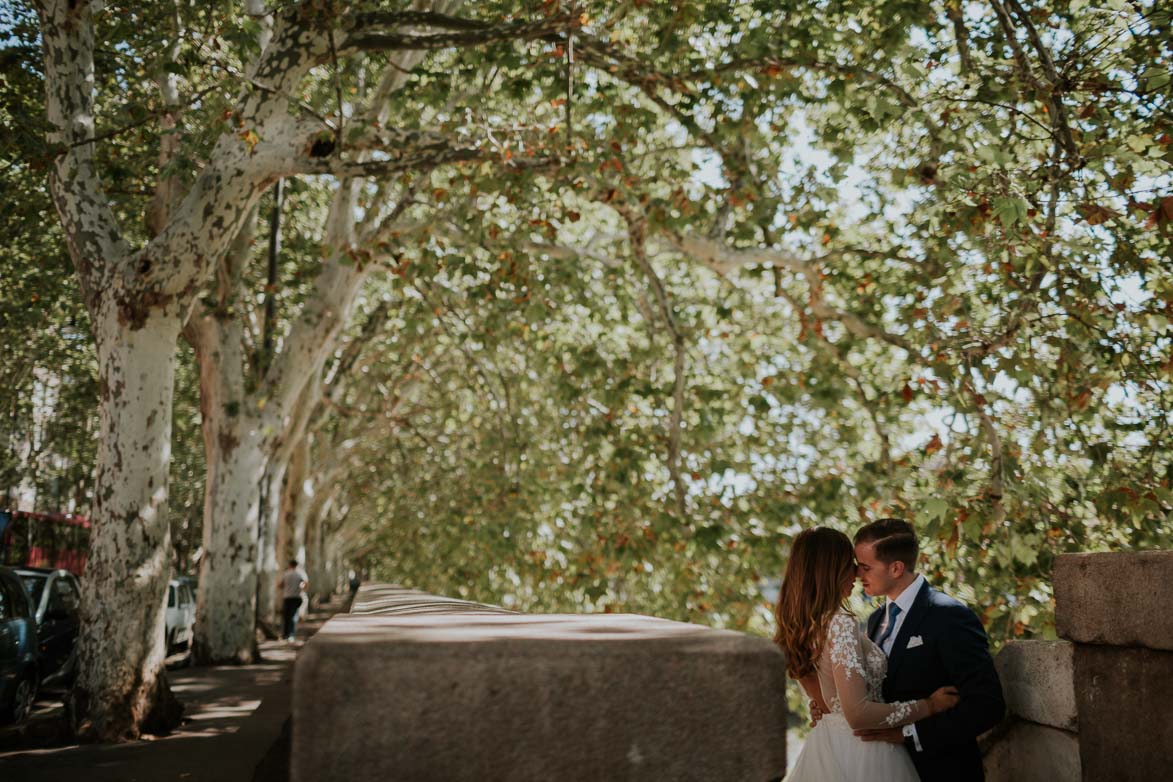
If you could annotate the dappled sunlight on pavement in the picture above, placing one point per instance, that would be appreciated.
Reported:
(233, 715)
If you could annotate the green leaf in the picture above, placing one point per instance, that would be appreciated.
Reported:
(1010, 210)
(933, 508)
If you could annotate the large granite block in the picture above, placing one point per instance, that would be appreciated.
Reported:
(1026, 752)
(485, 696)
(1125, 701)
(1038, 680)
(1115, 598)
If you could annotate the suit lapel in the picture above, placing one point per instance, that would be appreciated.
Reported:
(908, 628)
(874, 623)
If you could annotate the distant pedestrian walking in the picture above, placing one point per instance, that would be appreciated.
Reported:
(293, 584)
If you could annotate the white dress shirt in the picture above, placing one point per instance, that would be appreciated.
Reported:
(905, 600)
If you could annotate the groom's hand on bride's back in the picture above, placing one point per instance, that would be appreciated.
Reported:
(890, 735)
(816, 712)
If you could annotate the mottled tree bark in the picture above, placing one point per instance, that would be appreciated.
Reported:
(121, 688)
(233, 453)
(285, 481)
(296, 503)
(245, 432)
(269, 421)
(270, 562)
(138, 299)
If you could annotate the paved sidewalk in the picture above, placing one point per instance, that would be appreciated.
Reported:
(234, 717)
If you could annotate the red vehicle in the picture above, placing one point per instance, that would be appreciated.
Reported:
(48, 540)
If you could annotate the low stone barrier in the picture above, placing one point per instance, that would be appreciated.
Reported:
(415, 687)
(1025, 751)
(1126, 712)
(1038, 679)
(1039, 740)
(1115, 599)
(1097, 705)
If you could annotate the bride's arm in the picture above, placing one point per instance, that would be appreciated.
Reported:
(851, 685)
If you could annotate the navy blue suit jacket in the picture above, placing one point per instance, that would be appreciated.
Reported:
(954, 651)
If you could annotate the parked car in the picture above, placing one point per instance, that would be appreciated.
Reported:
(56, 597)
(19, 677)
(180, 617)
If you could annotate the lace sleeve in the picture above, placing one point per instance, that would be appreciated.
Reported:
(847, 667)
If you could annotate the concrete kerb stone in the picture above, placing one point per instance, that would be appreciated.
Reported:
(1038, 680)
(1116, 599)
(398, 692)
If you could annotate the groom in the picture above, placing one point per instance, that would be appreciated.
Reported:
(931, 641)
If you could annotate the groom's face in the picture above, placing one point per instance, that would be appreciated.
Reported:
(876, 576)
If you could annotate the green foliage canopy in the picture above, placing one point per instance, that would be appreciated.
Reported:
(798, 264)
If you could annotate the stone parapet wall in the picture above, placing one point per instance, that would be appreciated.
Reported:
(1024, 751)
(1125, 712)
(1115, 599)
(1039, 740)
(1097, 705)
(391, 600)
(1038, 680)
(415, 687)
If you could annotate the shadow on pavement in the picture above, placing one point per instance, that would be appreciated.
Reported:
(235, 728)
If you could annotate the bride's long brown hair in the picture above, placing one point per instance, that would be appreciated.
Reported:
(821, 559)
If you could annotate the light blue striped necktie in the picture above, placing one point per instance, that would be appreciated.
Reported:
(893, 610)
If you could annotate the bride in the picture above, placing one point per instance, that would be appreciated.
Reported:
(840, 669)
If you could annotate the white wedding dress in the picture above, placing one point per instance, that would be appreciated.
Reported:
(851, 672)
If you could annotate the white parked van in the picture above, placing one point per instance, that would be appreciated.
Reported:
(180, 618)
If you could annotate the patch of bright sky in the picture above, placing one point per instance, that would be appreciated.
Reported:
(941, 421)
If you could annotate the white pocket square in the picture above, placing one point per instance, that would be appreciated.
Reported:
(914, 642)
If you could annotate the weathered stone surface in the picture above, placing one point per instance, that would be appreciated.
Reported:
(497, 696)
(1026, 752)
(394, 600)
(1115, 598)
(1125, 700)
(1038, 680)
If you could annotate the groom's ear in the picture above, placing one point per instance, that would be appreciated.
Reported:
(898, 568)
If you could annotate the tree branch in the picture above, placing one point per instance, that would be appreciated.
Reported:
(637, 233)
(362, 37)
(169, 188)
(722, 258)
(1049, 92)
(91, 228)
(411, 160)
(326, 310)
(996, 489)
(869, 404)
(956, 14)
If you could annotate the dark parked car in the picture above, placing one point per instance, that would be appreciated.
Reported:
(18, 649)
(56, 598)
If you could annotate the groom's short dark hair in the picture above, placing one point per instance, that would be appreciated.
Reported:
(894, 541)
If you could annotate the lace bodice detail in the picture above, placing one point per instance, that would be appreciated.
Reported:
(855, 652)
(851, 673)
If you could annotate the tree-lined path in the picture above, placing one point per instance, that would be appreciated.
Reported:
(234, 728)
(576, 306)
